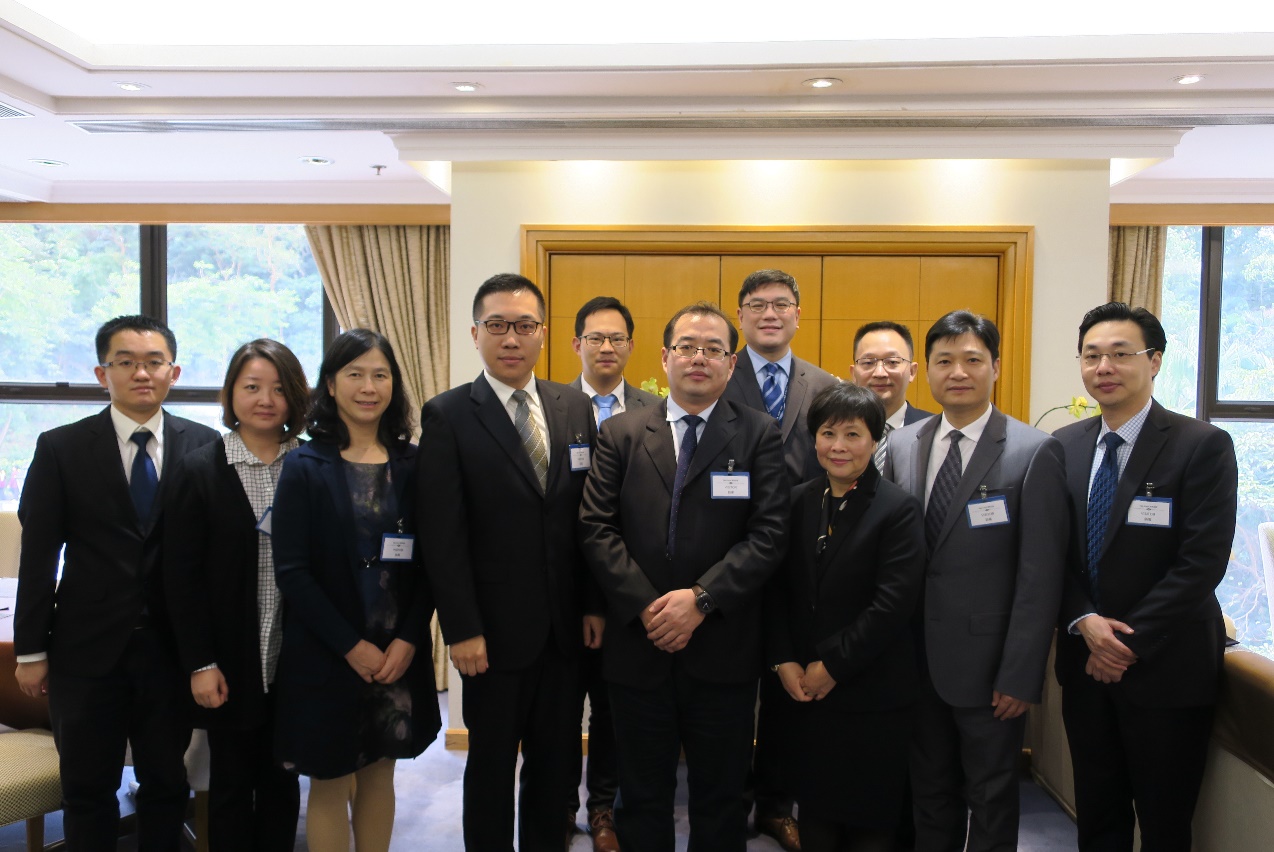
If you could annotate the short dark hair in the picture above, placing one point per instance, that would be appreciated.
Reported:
(506, 282)
(701, 309)
(761, 277)
(324, 420)
(296, 392)
(1151, 328)
(886, 325)
(132, 322)
(957, 323)
(602, 303)
(844, 401)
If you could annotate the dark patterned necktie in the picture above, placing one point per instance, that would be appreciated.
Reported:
(1099, 500)
(882, 449)
(771, 393)
(143, 481)
(531, 438)
(944, 488)
(689, 442)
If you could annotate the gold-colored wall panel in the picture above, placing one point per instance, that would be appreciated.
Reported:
(953, 283)
(880, 287)
(579, 277)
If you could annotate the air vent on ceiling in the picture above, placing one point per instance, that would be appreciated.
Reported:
(7, 111)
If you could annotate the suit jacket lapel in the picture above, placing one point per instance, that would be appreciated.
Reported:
(1079, 466)
(555, 417)
(631, 399)
(659, 444)
(796, 390)
(719, 431)
(811, 529)
(106, 447)
(495, 419)
(337, 486)
(1151, 441)
(990, 447)
(918, 464)
(745, 379)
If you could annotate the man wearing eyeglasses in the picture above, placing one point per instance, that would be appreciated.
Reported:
(683, 521)
(98, 642)
(502, 463)
(884, 361)
(604, 342)
(1153, 500)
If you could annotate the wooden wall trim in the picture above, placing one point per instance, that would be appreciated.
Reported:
(1191, 214)
(271, 214)
(1013, 245)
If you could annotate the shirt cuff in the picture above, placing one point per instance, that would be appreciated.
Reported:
(33, 658)
(1073, 628)
(206, 668)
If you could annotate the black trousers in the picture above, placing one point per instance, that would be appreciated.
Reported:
(534, 708)
(713, 722)
(601, 774)
(1125, 756)
(765, 779)
(143, 700)
(253, 801)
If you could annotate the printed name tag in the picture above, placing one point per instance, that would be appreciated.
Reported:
(731, 486)
(266, 524)
(397, 547)
(991, 512)
(1150, 512)
(580, 457)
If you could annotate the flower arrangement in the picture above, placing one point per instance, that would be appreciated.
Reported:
(651, 385)
(1079, 408)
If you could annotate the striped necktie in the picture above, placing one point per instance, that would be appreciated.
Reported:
(771, 393)
(882, 449)
(536, 450)
(1099, 500)
(944, 488)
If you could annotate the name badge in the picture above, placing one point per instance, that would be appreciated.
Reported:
(266, 524)
(397, 547)
(1150, 512)
(989, 512)
(731, 486)
(581, 458)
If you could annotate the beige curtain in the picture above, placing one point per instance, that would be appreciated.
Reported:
(1136, 265)
(395, 280)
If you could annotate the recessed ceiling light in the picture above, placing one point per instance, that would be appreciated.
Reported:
(822, 82)
(49, 163)
(466, 87)
(316, 161)
(130, 86)
(1188, 79)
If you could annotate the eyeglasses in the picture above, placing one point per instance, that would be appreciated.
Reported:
(1092, 359)
(617, 341)
(128, 365)
(711, 353)
(501, 327)
(893, 365)
(781, 306)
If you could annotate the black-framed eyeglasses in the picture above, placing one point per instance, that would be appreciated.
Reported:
(501, 327)
(758, 306)
(893, 365)
(1092, 359)
(710, 353)
(617, 341)
(129, 365)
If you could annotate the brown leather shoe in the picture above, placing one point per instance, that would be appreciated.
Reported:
(783, 829)
(601, 823)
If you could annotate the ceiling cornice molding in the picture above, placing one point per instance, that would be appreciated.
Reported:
(244, 192)
(1198, 191)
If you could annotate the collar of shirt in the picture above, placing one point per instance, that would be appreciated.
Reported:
(899, 418)
(1130, 430)
(676, 412)
(505, 392)
(759, 362)
(590, 392)
(971, 432)
(237, 452)
(125, 426)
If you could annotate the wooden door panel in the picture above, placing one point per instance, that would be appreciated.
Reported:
(656, 287)
(878, 287)
(955, 283)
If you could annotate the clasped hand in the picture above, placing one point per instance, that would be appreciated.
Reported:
(372, 664)
(811, 683)
(671, 620)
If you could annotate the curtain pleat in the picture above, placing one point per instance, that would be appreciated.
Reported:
(1136, 265)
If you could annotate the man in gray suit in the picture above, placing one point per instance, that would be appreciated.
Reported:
(996, 528)
(603, 341)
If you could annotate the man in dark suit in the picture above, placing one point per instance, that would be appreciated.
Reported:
(502, 463)
(884, 361)
(683, 521)
(604, 342)
(770, 378)
(995, 528)
(1153, 497)
(99, 643)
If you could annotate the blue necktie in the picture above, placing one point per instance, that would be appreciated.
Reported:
(1099, 500)
(689, 441)
(143, 482)
(604, 406)
(771, 393)
(944, 487)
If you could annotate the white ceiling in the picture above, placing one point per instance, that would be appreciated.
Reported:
(384, 96)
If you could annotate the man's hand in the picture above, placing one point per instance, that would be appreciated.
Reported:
(398, 657)
(1007, 707)
(673, 618)
(470, 656)
(594, 627)
(209, 688)
(790, 675)
(1103, 672)
(1102, 637)
(33, 678)
(365, 659)
(817, 682)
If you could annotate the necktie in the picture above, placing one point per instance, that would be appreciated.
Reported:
(1099, 500)
(771, 393)
(143, 481)
(881, 449)
(944, 486)
(532, 440)
(604, 406)
(689, 441)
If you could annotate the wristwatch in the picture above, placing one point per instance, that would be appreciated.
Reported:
(703, 600)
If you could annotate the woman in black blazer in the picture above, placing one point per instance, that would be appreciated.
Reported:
(838, 631)
(356, 685)
(219, 578)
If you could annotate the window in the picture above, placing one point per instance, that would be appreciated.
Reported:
(1218, 310)
(217, 286)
